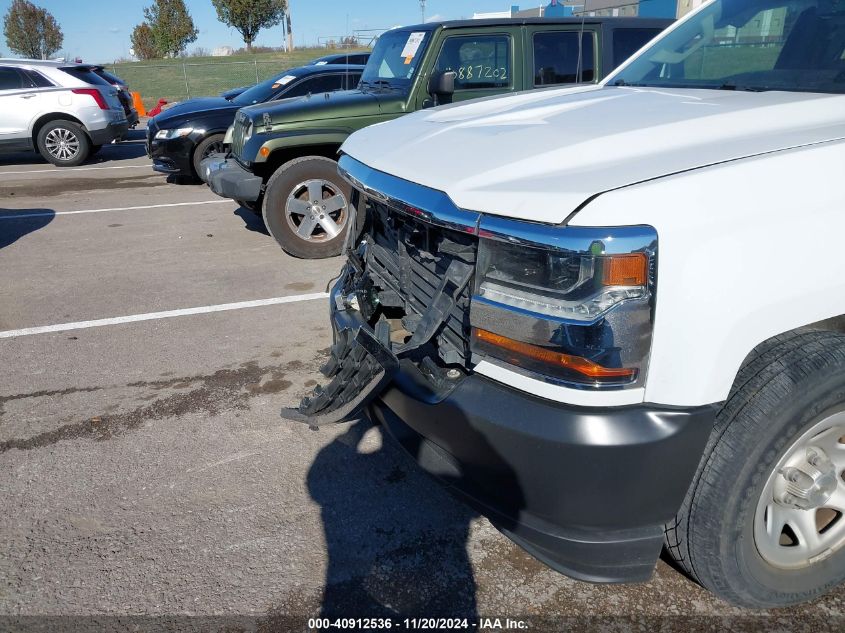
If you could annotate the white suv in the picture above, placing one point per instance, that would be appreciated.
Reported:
(64, 111)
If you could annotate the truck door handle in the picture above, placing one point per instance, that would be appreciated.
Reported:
(29, 96)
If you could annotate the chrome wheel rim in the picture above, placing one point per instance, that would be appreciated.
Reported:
(316, 210)
(800, 516)
(62, 144)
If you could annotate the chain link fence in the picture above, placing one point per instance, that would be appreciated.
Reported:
(177, 82)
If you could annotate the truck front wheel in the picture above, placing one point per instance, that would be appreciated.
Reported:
(306, 207)
(763, 524)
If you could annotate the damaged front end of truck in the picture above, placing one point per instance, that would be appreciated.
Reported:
(450, 329)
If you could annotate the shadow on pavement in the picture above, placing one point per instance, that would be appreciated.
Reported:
(252, 221)
(396, 541)
(15, 223)
(108, 153)
(176, 179)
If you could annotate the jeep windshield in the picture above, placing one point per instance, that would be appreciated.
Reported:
(754, 45)
(395, 60)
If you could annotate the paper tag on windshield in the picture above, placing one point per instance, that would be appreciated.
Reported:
(284, 81)
(412, 46)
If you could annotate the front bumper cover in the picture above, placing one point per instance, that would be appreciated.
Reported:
(228, 179)
(585, 490)
(172, 156)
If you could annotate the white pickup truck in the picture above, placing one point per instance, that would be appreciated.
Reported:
(611, 317)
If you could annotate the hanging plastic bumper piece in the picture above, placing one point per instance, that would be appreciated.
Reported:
(363, 363)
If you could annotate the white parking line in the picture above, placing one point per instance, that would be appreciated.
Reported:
(152, 316)
(72, 169)
(12, 215)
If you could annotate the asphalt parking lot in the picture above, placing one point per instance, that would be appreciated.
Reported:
(144, 468)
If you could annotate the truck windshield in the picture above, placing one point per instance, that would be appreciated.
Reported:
(755, 45)
(395, 59)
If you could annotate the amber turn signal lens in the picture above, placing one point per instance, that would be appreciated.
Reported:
(625, 270)
(265, 152)
(577, 364)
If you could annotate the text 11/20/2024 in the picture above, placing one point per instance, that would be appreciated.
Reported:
(417, 624)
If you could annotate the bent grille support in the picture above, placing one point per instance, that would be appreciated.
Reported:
(407, 267)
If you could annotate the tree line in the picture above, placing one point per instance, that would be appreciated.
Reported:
(166, 31)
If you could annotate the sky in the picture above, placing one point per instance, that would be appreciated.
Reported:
(98, 30)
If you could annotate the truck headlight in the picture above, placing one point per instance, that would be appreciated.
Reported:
(174, 133)
(569, 304)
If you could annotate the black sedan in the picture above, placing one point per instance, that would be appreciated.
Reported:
(181, 136)
(339, 58)
(342, 58)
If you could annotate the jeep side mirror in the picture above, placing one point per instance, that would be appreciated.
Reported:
(441, 85)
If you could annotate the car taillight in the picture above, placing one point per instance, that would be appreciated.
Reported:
(93, 92)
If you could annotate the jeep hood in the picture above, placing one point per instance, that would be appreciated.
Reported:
(328, 105)
(541, 155)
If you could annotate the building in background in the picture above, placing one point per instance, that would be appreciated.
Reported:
(615, 8)
(555, 9)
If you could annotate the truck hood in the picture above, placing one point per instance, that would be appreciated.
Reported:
(541, 155)
(328, 105)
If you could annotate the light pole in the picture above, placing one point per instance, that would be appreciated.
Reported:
(422, 10)
(288, 25)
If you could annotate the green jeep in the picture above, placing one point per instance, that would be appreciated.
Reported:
(282, 158)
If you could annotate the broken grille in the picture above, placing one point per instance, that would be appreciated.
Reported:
(407, 260)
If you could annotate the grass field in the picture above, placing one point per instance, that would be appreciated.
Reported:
(184, 78)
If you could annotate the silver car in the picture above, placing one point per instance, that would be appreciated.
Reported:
(66, 112)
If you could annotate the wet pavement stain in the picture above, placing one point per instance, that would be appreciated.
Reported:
(276, 385)
(300, 285)
(47, 393)
(50, 188)
(225, 389)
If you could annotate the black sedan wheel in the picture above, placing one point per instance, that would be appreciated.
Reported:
(210, 145)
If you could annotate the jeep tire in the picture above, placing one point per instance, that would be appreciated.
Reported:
(306, 207)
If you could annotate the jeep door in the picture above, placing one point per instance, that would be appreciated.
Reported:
(485, 62)
(559, 55)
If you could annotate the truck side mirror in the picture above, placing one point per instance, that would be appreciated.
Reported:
(441, 85)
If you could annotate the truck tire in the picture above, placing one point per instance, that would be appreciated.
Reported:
(210, 145)
(306, 207)
(763, 523)
(63, 143)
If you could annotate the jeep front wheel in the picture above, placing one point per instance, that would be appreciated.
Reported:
(306, 207)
